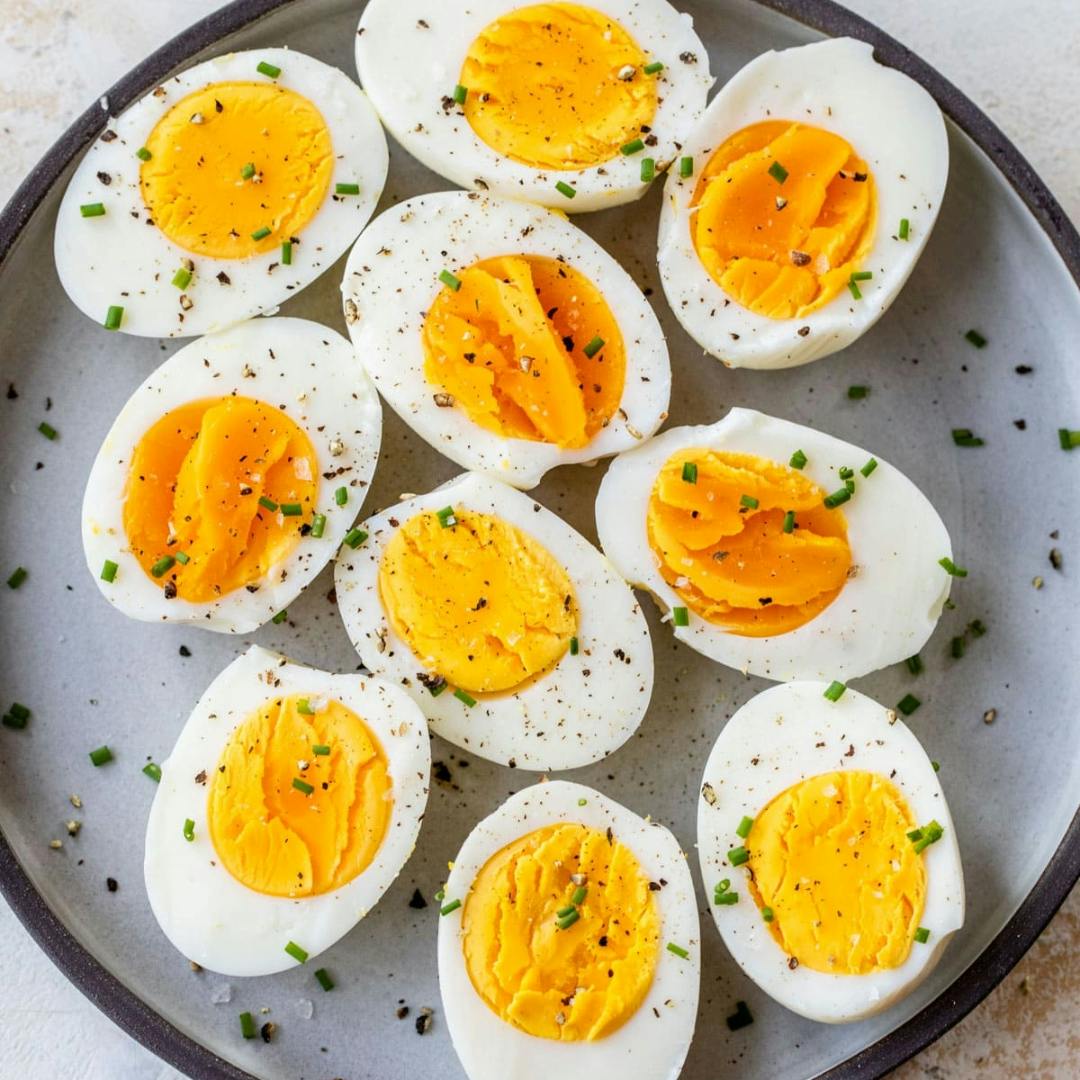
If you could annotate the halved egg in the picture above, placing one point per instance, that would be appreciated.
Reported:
(827, 845)
(231, 476)
(776, 549)
(575, 106)
(503, 335)
(568, 943)
(512, 633)
(220, 194)
(292, 799)
(801, 204)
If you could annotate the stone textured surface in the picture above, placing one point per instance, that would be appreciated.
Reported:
(1017, 63)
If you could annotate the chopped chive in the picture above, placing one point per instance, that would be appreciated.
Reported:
(182, 278)
(686, 167)
(280, 616)
(744, 827)
(286, 253)
(966, 437)
(563, 912)
(977, 627)
(347, 189)
(648, 169)
(767, 914)
(302, 786)
(575, 646)
(355, 537)
(322, 977)
(678, 950)
(855, 291)
(303, 706)
(189, 830)
(653, 68)
(689, 472)
(915, 834)
(869, 467)
(341, 496)
(778, 172)
(1068, 440)
(93, 209)
(798, 460)
(738, 855)
(928, 834)
(247, 1025)
(19, 711)
(162, 566)
(922, 935)
(936, 765)
(845, 472)
(722, 885)
(441, 895)
(247, 171)
(593, 346)
(183, 558)
(579, 895)
(460, 93)
(261, 234)
(108, 570)
(975, 338)
(320, 750)
(114, 317)
(446, 517)
(565, 189)
(748, 501)
(725, 899)
(291, 509)
(270, 70)
(835, 690)
(634, 147)
(568, 920)
(862, 275)
(436, 685)
(680, 616)
(18, 576)
(48, 430)
(850, 485)
(298, 953)
(857, 393)
(582, 802)
(905, 227)
(465, 697)
(908, 704)
(956, 648)
(914, 664)
(318, 526)
(789, 521)
(951, 568)
(449, 280)
(267, 503)
(12, 722)
(837, 498)
(143, 154)
(153, 770)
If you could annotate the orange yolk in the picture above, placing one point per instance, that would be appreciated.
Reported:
(732, 563)
(580, 982)
(557, 86)
(512, 347)
(193, 491)
(280, 838)
(480, 602)
(194, 183)
(785, 242)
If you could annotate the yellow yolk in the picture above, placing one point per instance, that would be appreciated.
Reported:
(783, 249)
(275, 837)
(194, 186)
(557, 86)
(509, 346)
(581, 982)
(832, 859)
(480, 602)
(733, 564)
(193, 491)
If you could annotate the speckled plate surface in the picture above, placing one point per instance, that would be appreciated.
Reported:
(1003, 259)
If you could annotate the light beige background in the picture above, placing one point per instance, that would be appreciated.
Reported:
(1018, 61)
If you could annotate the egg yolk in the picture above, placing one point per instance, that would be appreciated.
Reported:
(286, 820)
(529, 348)
(557, 86)
(480, 602)
(580, 982)
(831, 857)
(193, 513)
(720, 543)
(783, 214)
(236, 168)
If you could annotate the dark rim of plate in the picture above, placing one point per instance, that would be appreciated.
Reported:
(155, 1032)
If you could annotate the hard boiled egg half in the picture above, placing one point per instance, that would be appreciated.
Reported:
(503, 335)
(289, 804)
(829, 851)
(220, 194)
(569, 942)
(512, 633)
(776, 549)
(576, 106)
(231, 476)
(801, 204)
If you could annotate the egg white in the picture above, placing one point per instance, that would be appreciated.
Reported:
(653, 1043)
(888, 119)
(581, 710)
(202, 909)
(782, 736)
(120, 259)
(885, 612)
(409, 55)
(307, 370)
(392, 277)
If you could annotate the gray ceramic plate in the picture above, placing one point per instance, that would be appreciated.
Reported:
(1003, 259)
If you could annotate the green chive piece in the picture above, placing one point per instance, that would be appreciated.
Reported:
(593, 347)
(93, 209)
(862, 275)
(575, 646)
(725, 899)
(850, 485)
(914, 664)
(722, 885)
(320, 750)
(183, 558)
(267, 503)
(247, 1025)
(563, 912)
(446, 517)
(143, 154)
(270, 70)
(153, 771)
(678, 950)
(936, 765)
(564, 922)
(951, 568)
(915, 834)
(648, 169)
(905, 228)
(247, 171)
(928, 834)
(908, 704)
(303, 706)
(977, 627)
(846, 472)
(857, 393)
(12, 722)
(922, 935)
(291, 509)
(322, 977)
(318, 525)
(744, 827)
(355, 537)
(440, 895)
(798, 460)
(346, 189)
(653, 68)
(162, 566)
(680, 616)
(18, 576)
(286, 253)
(19, 711)
(837, 498)
(738, 855)
(835, 690)
(579, 895)
(778, 172)
(108, 570)
(261, 234)
(302, 786)
(1068, 440)
(976, 339)
(436, 685)
(767, 914)
(114, 317)
(748, 501)
(446, 909)
(189, 830)
(686, 167)
(869, 467)
(460, 93)
(449, 280)
(956, 647)
(966, 437)
(582, 802)
(789, 521)
(634, 147)
(855, 291)
(689, 472)
(298, 953)
(280, 616)
(465, 697)
(565, 189)
(48, 430)
(182, 278)
(341, 496)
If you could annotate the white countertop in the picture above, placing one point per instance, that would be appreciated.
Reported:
(1019, 62)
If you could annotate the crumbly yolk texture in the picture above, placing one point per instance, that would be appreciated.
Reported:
(480, 602)
(194, 183)
(831, 857)
(509, 346)
(732, 563)
(581, 982)
(193, 491)
(784, 245)
(557, 86)
(280, 840)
